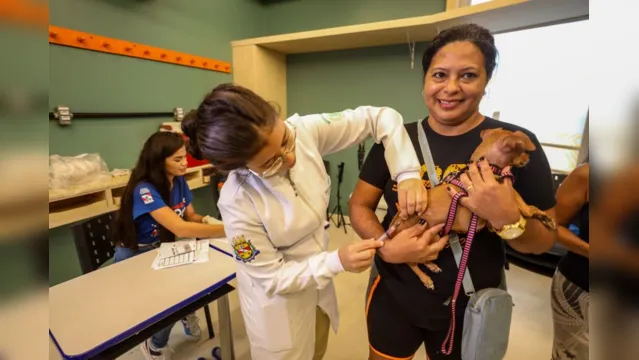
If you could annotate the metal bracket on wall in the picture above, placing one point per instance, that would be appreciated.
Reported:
(86, 41)
(63, 115)
(178, 114)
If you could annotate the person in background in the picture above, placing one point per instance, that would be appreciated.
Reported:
(614, 261)
(401, 312)
(570, 295)
(156, 207)
(273, 204)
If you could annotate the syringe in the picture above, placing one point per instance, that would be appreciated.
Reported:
(386, 235)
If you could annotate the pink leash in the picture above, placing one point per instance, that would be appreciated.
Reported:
(472, 229)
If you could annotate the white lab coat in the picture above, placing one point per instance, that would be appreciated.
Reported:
(287, 271)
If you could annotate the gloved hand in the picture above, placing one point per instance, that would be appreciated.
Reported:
(211, 220)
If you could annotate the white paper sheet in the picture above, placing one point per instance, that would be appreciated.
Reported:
(181, 253)
(172, 249)
(202, 254)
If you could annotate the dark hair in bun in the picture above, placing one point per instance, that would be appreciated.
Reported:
(226, 128)
(473, 33)
(189, 126)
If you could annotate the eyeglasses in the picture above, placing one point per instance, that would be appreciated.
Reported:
(288, 148)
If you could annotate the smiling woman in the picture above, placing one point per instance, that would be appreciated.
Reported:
(457, 69)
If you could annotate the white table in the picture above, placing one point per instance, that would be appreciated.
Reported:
(96, 311)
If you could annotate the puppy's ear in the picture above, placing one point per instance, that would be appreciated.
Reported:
(528, 144)
(487, 132)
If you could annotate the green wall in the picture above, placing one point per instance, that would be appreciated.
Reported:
(96, 82)
(340, 80)
(337, 80)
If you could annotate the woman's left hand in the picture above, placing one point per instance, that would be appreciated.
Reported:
(412, 196)
(490, 200)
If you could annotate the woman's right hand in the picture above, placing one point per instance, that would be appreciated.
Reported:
(358, 256)
(414, 245)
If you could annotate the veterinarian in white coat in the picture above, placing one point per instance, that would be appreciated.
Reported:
(274, 204)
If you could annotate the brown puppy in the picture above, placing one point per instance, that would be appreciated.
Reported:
(501, 148)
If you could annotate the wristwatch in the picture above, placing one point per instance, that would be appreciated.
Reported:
(512, 231)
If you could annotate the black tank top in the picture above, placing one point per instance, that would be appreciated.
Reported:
(574, 266)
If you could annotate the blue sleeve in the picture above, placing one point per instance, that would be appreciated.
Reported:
(146, 199)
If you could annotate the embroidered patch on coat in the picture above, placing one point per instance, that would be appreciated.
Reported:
(330, 117)
(243, 249)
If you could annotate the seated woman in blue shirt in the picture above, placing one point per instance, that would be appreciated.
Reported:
(156, 207)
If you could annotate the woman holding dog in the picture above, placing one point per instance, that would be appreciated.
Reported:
(401, 312)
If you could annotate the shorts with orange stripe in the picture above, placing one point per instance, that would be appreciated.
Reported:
(393, 335)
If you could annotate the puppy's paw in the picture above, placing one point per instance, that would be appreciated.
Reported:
(547, 221)
(428, 282)
(425, 279)
(530, 211)
(433, 268)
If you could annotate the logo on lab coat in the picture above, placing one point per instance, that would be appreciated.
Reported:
(243, 249)
(330, 117)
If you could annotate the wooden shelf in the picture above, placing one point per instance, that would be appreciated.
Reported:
(497, 16)
(85, 206)
(84, 202)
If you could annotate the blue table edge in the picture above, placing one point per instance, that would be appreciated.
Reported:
(123, 336)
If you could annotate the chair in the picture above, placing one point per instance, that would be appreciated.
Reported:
(95, 247)
(93, 242)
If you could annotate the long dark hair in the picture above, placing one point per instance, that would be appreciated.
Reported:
(149, 168)
(473, 33)
(227, 128)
